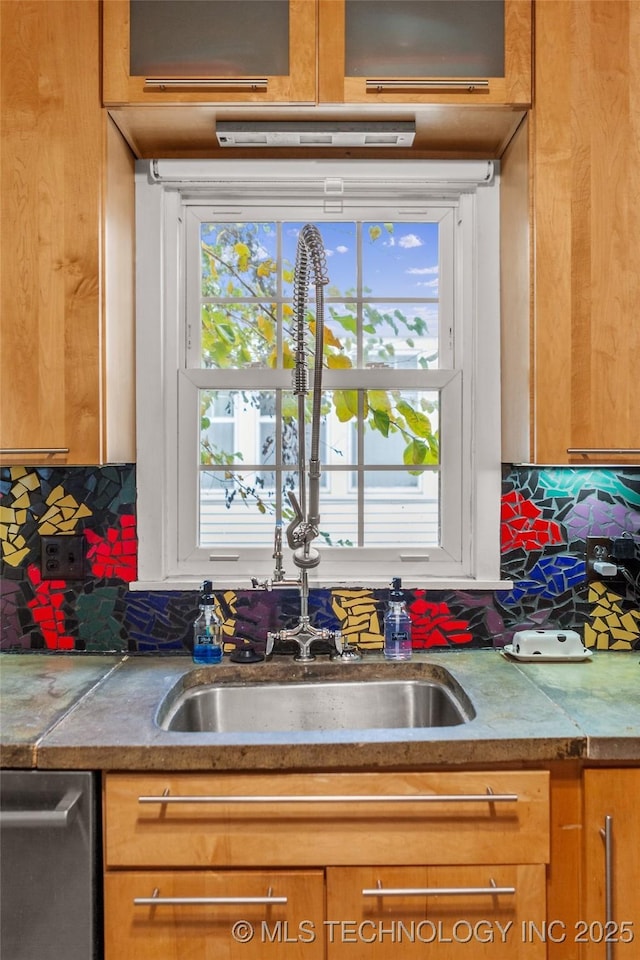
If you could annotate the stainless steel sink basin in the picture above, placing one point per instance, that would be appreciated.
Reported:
(313, 705)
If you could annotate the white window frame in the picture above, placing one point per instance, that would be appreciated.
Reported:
(167, 434)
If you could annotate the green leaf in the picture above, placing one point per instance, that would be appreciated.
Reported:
(346, 404)
(375, 231)
(417, 422)
(379, 400)
(415, 453)
(381, 422)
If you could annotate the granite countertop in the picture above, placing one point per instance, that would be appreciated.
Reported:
(98, 712)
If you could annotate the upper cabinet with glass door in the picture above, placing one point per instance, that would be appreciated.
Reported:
(209, 51)
(425, 51)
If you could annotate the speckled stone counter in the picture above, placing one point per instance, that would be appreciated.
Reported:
(36, 692)
(100, 713)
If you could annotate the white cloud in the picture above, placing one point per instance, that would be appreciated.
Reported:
(432, 284)
(421, 271)
(342, 249)
(410, 240)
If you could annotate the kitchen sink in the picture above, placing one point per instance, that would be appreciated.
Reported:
(314, 705)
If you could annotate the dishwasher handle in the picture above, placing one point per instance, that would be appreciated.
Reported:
(62, 815)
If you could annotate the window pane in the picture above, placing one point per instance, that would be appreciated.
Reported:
(237, 335)
(401, 335)
(400, 259)
(235, 509)
(401, 428)
(238, 260)
(393, 516)
(231, 428)
(340, 243)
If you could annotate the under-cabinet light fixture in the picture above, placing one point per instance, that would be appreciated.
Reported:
(265, 133)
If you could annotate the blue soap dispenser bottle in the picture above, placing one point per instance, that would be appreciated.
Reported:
(397, 625)
(207, 628)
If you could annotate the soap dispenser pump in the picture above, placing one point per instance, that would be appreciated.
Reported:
(207, 628)
(397, 625)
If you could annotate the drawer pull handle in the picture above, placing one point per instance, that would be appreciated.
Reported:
(607, 836)
(216, 83)
(408, 84)
(487, 797)
(381, 891)
(156, 900)
(32, 451)
(621, 451)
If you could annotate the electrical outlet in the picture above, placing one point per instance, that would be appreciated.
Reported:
(62, 558)
(598, 548)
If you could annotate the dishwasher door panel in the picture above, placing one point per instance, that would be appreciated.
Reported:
(48, 866)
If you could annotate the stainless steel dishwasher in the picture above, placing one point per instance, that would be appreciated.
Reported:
(48, 866)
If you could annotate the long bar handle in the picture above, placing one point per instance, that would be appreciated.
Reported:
(408, 84)
(61, 816)
(156, 900)
(209, 83)
(586, 451)
(49, 451)
(607, 835)
(346, 798)
(436, 891)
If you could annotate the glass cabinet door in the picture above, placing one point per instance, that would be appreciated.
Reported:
(173, 51)
(391, 51)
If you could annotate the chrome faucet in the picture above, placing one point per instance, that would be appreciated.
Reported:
(304, 527)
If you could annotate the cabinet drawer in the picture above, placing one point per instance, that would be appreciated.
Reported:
(484, 911)
(223, 820)
(214, 915)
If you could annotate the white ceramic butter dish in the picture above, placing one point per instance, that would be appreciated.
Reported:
(547, 645)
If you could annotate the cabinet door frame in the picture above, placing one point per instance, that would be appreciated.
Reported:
(299, 86)
(513, 89)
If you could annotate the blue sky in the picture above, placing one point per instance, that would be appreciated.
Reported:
(401, 262)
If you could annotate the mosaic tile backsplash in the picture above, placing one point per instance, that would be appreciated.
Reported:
(546, 516)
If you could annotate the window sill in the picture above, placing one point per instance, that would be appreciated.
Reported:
(230, 583)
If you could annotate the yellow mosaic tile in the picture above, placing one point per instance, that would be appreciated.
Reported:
(358, 615)
(56, 494)
(631, 621)
(14, 551)
(17, 472)
(31, 481)
(620, 645)
(47, 529)
(7, 515)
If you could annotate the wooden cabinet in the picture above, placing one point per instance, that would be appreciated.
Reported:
(66, 329)
(586, 264)
(214, 51)
(214, 914)
(381, 53)
(186, 52)
(454, 911)
(611, 915)
(453, 846)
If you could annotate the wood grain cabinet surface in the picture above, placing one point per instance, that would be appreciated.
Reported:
(66, 329)
(611, 908)
(586, 185)
(467, 846)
